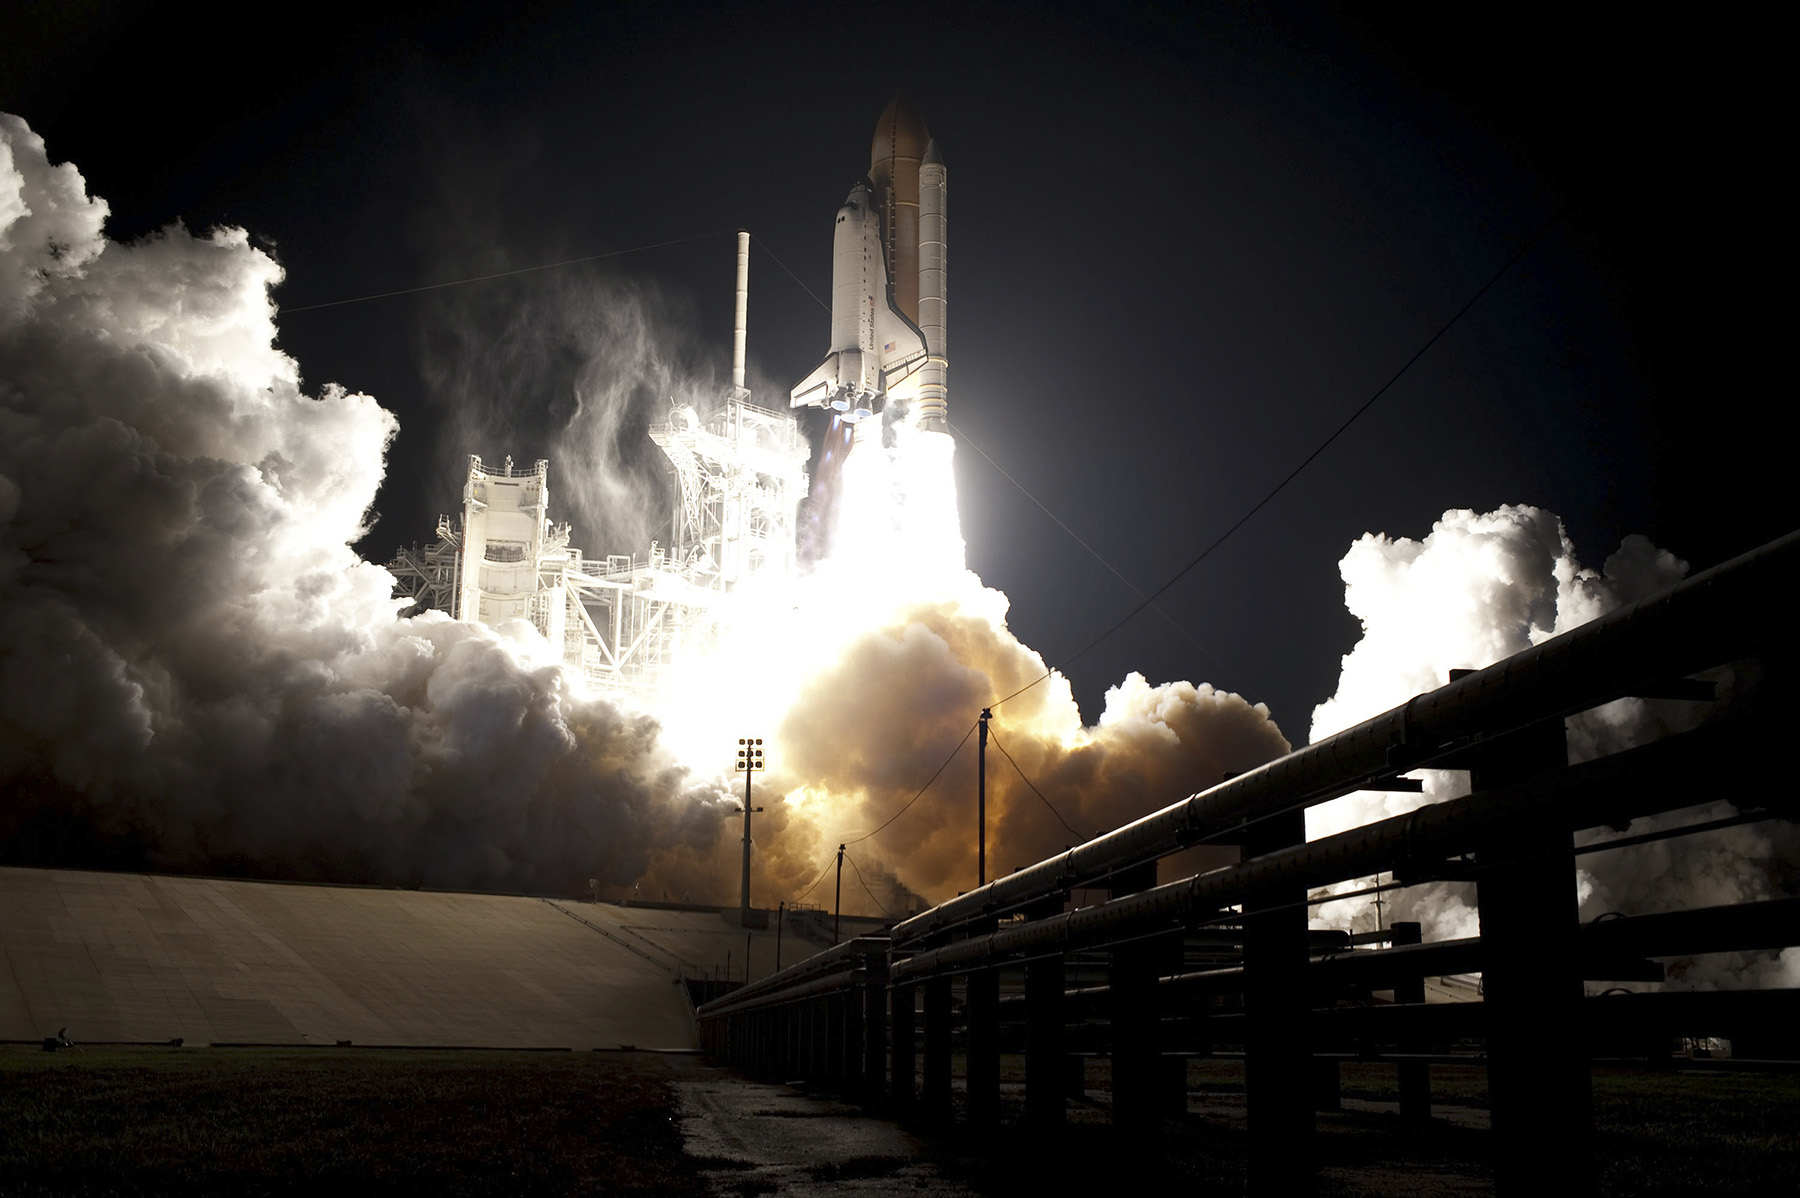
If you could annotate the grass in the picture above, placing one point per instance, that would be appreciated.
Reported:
(1664, 1131)
(142, 1121)
(161, 1121)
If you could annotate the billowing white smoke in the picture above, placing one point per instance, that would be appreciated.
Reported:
(1481, 587)
(196, 672)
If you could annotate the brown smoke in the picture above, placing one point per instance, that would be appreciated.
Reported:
(866, 734)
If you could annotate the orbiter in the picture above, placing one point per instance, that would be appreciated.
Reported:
(887, 284)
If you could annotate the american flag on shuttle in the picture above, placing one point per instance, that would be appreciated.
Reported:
(888, 348)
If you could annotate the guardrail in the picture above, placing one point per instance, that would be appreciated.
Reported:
(1512, 837)
(823, 1019)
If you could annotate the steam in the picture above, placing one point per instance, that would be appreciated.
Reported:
(197, 673)
(572, 369)
(1479, 588)
(195, 670)
(866, 675)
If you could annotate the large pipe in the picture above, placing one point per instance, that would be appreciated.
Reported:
(846, 956)
(1714, 617)
(1666, 775)
(741, 329)
(1770, 924)
(1612, 1016)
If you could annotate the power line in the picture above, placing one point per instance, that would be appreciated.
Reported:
(934, 777)
(1034, 790)
(790, 274)
(820, 878)
(1305, 462)
(502, 274)
(1092, 552)
(865, 885)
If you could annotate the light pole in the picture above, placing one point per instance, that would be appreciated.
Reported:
(749, 760)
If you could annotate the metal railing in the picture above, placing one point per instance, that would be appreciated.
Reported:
(1293, 1004)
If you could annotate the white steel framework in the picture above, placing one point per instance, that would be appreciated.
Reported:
(739, 478)
(740, 474)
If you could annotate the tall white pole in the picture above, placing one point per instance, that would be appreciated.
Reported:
(743, 310)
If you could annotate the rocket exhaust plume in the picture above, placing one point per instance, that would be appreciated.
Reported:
(197, 673)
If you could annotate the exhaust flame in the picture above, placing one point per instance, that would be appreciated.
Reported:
(197, 673)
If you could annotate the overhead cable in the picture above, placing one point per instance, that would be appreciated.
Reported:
(1074, 536)
(1033, 785)
(790, 274)
(820, 878)
(865, 885)
(503, 274)
(934, 777)
(1244, 519)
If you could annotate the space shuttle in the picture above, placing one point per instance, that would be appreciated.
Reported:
(888, 304)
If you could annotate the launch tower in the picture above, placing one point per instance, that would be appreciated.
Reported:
(739, 474)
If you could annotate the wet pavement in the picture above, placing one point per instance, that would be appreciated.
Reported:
(760, 1138)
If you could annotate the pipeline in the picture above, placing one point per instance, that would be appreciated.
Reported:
(1666, 775)
(1718, 615)
(830, 970)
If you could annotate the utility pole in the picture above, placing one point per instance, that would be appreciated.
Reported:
(838, 913)
(780, 914)
(750, 759)
(981, 799)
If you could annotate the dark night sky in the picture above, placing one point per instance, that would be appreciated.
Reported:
(1185, 243)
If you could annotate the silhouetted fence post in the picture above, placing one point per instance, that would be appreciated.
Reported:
(1045, 1060)
(1136, 1016)
(1415, 1076)
(905, 1033)
(937, 1046)
(1277, 1026)
(874, 999)
(981, 1001)
(1540, 1084)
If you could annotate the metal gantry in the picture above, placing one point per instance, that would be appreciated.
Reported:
(622, 620)
(740, 473)
(1227, 959)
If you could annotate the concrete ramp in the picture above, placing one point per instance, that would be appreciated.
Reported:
(138, 957)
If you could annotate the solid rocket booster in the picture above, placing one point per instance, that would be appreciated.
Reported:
(888, 303)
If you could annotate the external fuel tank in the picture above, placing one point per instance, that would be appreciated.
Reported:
(888, 301)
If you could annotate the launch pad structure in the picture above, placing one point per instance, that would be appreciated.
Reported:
(621, 621)
(739, 469)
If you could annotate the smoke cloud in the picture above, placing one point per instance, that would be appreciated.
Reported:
(198, 673)
(867, 731)
(572, 369)
(1481, 587)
